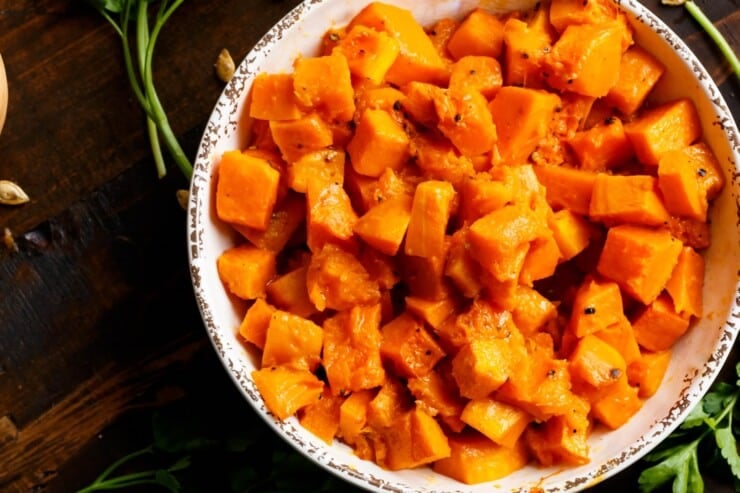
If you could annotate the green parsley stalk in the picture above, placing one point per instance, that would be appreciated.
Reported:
(712, 31)
(121, 14)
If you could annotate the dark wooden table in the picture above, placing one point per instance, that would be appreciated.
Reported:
(97, 320)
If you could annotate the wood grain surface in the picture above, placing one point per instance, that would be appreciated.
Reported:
(97, 317)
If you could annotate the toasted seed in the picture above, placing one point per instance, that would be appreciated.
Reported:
(225, 66)
(9, 241)
(183, 196)
(12, 194)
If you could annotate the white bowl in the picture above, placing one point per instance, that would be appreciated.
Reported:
(698, 357)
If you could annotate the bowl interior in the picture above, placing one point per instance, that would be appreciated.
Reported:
(697, 358)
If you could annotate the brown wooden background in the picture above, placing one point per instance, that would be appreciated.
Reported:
(97, 319)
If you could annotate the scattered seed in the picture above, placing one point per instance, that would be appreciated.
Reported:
(183, 196)
(225, 66)
(9, 241)
(12, 194)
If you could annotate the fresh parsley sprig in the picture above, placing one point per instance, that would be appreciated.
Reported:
(717, 416)
(123, 15)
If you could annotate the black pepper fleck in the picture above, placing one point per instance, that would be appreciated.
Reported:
(397, 106)
(589, 310)
(615, 373)
(701, 172)
(458, 117)
(609, 120)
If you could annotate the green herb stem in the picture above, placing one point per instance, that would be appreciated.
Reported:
(716, 36)
(123, 460)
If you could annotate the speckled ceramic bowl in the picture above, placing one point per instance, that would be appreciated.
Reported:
(697, 359)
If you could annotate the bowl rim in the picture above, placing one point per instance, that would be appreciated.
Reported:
(695, 387)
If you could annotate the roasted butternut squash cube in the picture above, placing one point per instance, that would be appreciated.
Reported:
(481, 194)
(285, 390)
(331, 218)
(322, 417)
(621, 337)
(482, 366)
(639, 259)
(711, 178)
(476, 459)
(631, 199)
(522, 117)
(324, 84)
(500, 422)
(351, 354)
(419, 102)
(273, 98)
(437, 394)
(247, 190)
(289, 292)
(254, 326)
(670, 126)
(409, 347)
(324, 166)
(413, 439)
(686, 283)
(384, 226)
(541, 261)
(602, 146)
(425, 276)
(597, 363)
(481, 33)
(648, 371)
(246, 270)
(295, 138)
(657, 327)
(433, 313)
(292, 340)
(596, 306)
(585, 58)
(639, 71)
(499, 240)
(567, 188)
(618, 405)
(564, 13)
(430, 212)
(464, 118)
(571, 232)
(287, 216)
(476, 73)
(379, 143)
(353, 415)
(680, 183)
(461, 267)
(369, 53)
(561, 439)
(532, 310)
(337, 280)
(525, 47)
(417, 59)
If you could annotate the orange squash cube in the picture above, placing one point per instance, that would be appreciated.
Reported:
(295, 138)
(351, 354)
(369, 53)
(254, 326)
(481, 33)
(476, 459)
(461, 267)
(522, 117)
(617, 406)
(287, 216)
(246, 190)
(331, 218)
(525, 48)
(464, 118)
(285, 390)
(384, 226)
(430, 211)
(596, 306)
(631, 199)
(324, 166)
(500, 422)
(482, 366)
(273, 98)
(648, 371)
(418, 59)
(246, 270)
(639, 71)
(541, 261)
(597, 363)
(571, 232)
(680, 183)
(324, 84)
(289, 292)
(567, 188)
(337, 280)
(322, 417)
(476, 73)
(409, 347)
(621, 337)
(670, 126)
(437, 393)
(644, 272)
(379, 143)
(686, 283)
(433, 313)
(602, 146)
(657, 327)
(292, 340)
